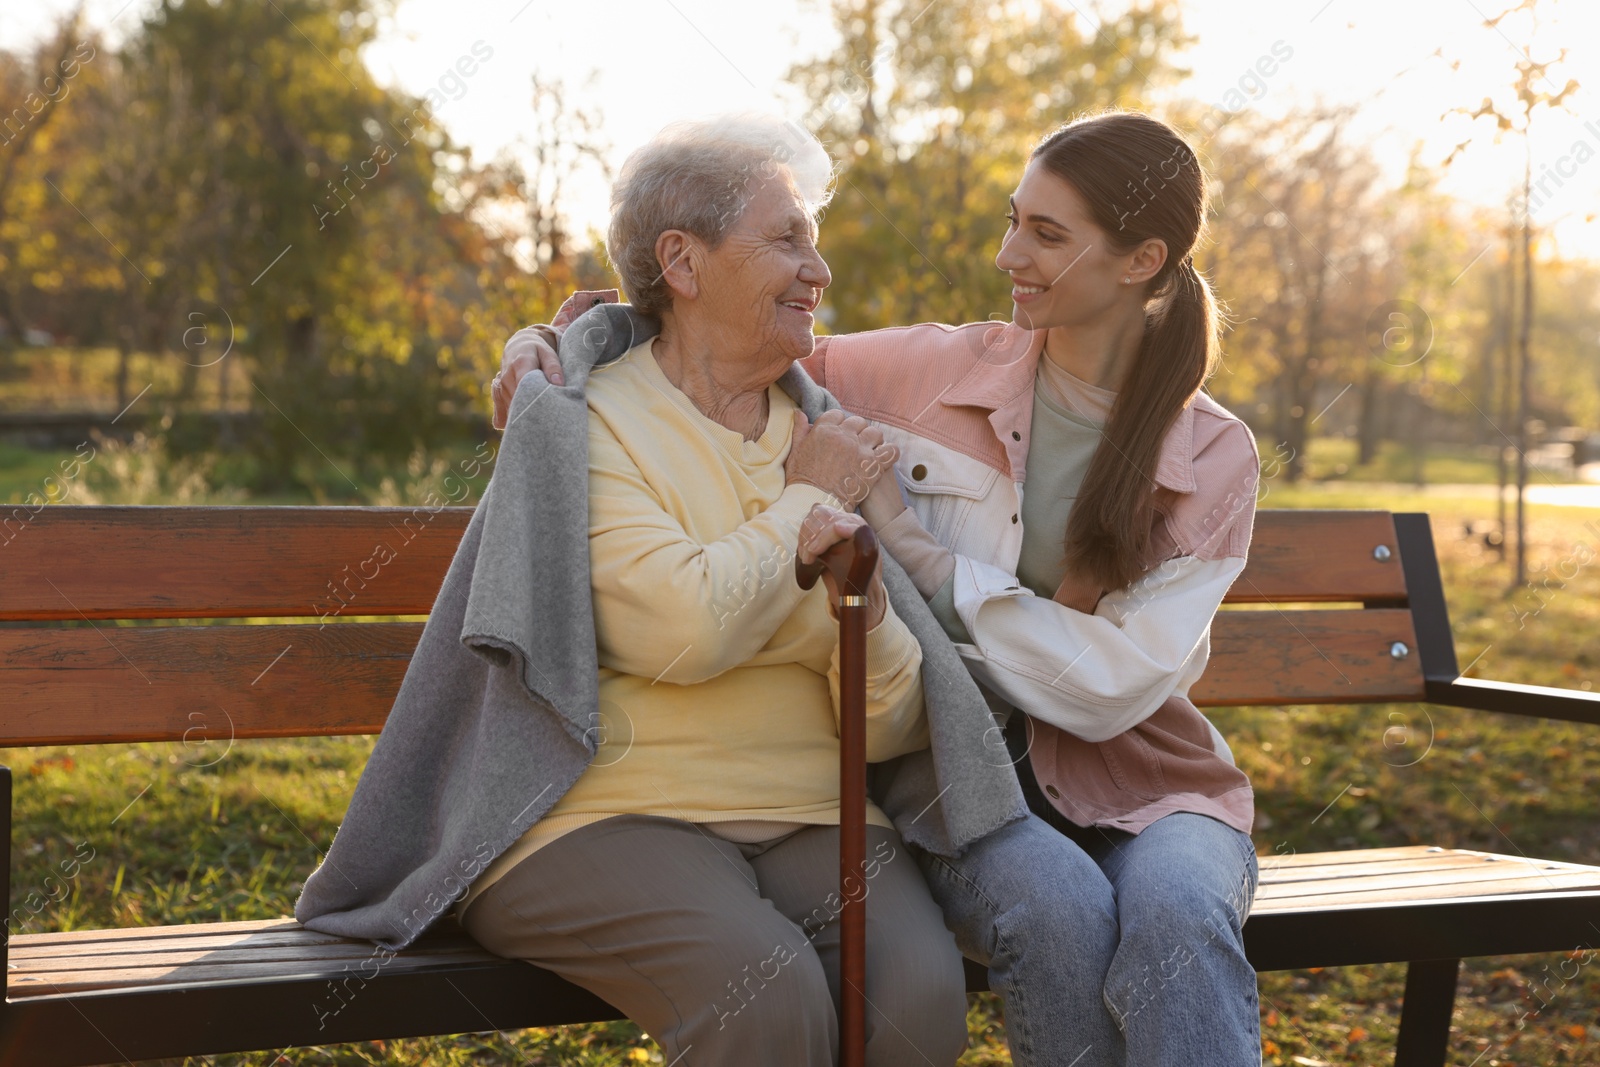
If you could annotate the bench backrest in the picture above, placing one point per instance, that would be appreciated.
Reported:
(89, 652)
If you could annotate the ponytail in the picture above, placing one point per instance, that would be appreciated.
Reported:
(1112, 160)
(1108, 530)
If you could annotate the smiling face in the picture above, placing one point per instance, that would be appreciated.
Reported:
(1065, 270)
(761, 285)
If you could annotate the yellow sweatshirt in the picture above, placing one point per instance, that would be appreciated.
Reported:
(719, 676)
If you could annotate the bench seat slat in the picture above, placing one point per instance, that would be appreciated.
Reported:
(302, 944)
(241, 927)
(1357, 856)
(1457, 882)
(316, 956)
(1440, 866)
(46, 964)
(128, 977)
(1443, 860)
(1502, 889)
(295, 937)
(1380, 875)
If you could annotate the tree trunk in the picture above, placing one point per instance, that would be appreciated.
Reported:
(11, 317)
(226, 437)
(1419, 434)
(1367, 429)
(190, 380)
(1508, 374)
(1285, 400)
(1482, 433)
(1298, 430)
(1525, 375)
(124, 356)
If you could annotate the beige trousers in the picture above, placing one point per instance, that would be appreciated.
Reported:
(728, 954)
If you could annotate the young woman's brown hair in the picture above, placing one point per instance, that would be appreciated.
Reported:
(1140, 181)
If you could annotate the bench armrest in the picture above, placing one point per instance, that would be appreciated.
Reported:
(1442, 678)
(5, 878)
(1538, 701)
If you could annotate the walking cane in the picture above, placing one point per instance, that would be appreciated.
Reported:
(851, 562)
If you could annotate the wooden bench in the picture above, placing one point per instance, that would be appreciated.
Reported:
(1340, 607)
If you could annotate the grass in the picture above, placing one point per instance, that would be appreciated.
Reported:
(182, 834)
(139, 471)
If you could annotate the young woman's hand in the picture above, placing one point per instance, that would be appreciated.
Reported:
(1079, 594)
(531, 348)
(537, 347)
(884, 501)
(839, 454)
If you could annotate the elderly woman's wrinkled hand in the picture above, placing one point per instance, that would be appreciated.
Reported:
(529, 349)
(840, 454)
(825, 527)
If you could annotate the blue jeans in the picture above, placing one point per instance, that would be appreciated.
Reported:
(1109, 948)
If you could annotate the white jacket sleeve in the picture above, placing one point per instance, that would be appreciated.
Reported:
(1091, 675)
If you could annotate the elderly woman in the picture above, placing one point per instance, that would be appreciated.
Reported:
(686, 875)
(690, 872)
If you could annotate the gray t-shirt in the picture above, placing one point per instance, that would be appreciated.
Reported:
(1061, 443)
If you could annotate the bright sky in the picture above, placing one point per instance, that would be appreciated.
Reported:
(658, 60)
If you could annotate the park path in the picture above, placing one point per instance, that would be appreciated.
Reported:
(1580, 494)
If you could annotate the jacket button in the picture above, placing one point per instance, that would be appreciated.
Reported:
(1055, 794)
(1016, 436)
(919, 472)
(1013, 520)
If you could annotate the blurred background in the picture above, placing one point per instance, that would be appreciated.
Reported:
(286, 239)
(268, 251)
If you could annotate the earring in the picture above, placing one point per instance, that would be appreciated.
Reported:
(1126, 278)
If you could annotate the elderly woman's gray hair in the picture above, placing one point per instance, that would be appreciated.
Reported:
(698, 177)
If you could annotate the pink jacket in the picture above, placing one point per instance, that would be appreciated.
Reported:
(1114, 739)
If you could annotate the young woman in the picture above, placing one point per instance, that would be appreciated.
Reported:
(1074, 507)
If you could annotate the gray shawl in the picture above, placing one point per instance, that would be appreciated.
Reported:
(498, 713)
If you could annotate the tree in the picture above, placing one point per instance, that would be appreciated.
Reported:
(519, 198)
(262, 179)
(1294, 207)
(566, 141)
(932, 109)
(1533, 89)
(39, 86)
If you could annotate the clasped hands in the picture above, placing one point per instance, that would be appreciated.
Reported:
(846, 457)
